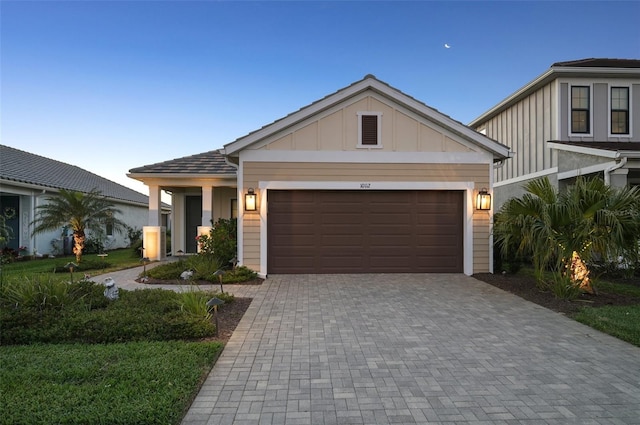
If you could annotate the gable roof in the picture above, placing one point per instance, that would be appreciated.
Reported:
(206, 163)
(370, 82)
(585, 68)
(600, 63)
(24, 167)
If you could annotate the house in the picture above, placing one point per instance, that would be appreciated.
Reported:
(578, 118)
(367, 179)
(26, 180)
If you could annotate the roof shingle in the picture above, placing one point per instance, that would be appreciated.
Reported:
(212, 162)
(20, 166)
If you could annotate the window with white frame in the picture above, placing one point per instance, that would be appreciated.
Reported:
(619, 110)
(369, 126)
(580, 110)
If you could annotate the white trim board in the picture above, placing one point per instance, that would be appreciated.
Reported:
(375, 157)
(585, 170)
(526, 177)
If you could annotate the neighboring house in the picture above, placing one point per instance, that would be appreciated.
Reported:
(367, 179)
(578, 118)
(26, 180)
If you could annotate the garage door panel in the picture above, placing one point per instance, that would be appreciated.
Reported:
(364, 231)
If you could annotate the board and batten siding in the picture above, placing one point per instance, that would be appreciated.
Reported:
(255, 172)
(525, 127)
(337, 130)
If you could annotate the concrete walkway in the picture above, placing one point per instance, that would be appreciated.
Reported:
(405, 349)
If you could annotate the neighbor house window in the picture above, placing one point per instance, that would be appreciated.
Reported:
(580, 109)
(369, 124)
(619, 110)
(109, 227)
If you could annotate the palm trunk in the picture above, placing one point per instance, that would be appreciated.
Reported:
(579, 273)
(78, 239)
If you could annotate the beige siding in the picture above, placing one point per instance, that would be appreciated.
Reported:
(525, 127)
(254, 172)
(401, 131)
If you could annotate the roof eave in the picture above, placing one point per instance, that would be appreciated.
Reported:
(605, 153)
(550, 75)
(138, 176)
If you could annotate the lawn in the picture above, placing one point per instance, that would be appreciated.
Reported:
(115, 260)
(132, 383)
(71, 356)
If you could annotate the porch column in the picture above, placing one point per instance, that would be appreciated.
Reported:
(207, 205)
(155, 210)
(154, 242)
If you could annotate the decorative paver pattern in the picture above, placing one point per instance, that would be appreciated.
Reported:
(413, 349)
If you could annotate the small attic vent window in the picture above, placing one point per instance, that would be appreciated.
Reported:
(369, 124)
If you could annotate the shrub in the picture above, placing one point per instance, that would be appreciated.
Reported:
(221, 241)
(37, 293)
(194, 302)
(134, 234)
(203, 266)
(563, 288)
(86, 265)
(144, 315)
(239, 274)
(136, 249)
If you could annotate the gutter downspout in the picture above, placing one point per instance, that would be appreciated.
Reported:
(608, 171)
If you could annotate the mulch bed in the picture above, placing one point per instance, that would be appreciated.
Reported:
(229, 315)
(525, 287)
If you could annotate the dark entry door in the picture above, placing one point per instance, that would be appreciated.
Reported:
(193, 213)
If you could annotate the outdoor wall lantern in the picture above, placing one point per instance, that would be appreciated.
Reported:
(483, 200)
(250, 203)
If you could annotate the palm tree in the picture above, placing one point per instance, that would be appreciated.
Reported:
(80, 211)
(562, 230)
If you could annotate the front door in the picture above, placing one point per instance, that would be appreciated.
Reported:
(193, 214)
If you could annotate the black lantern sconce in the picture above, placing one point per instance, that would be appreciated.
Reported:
(483, 200)
(250, 202)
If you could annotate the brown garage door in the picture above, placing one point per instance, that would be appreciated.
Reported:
(364, 231)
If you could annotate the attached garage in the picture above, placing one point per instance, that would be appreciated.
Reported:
(378, 231)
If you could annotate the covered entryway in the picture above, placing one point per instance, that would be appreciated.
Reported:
(383, 231)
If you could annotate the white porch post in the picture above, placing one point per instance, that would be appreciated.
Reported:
(155, 210)
(207, 211)
(207, 205)
(154, 235)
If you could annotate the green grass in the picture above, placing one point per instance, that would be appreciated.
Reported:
(133, 383)
(617, 288)
(116, 260)
(622, 322)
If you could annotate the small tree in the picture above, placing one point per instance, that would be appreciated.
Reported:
(80, 211)
(563, 230)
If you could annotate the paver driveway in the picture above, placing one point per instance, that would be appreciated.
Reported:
(376, 349)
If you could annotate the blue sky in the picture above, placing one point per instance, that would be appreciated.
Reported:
(113, 85)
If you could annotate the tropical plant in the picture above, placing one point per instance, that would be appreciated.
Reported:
(221, 242)
(81, 212)
(563, 230)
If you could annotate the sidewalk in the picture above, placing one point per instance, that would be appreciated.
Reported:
(126, 279)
